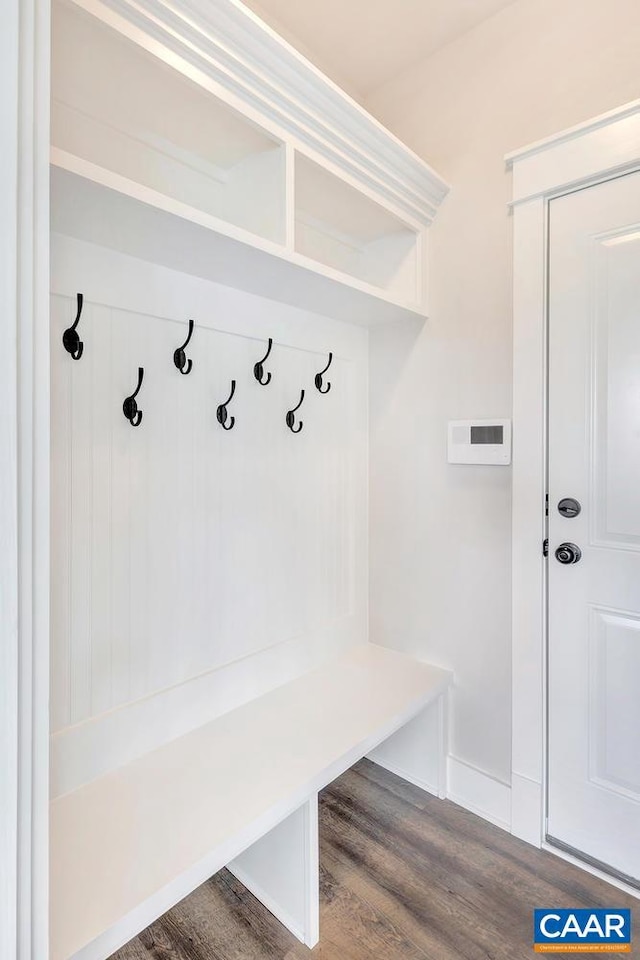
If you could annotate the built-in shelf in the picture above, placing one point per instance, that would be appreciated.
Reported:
(96, 205)
(120, 107)
(343, 228)
(171, 143)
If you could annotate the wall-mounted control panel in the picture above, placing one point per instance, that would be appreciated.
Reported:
(480, 441)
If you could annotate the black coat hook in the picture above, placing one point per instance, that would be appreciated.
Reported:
(221, 412)
(130, 407)
(291, 415)
(319, 376)
(179, 355)
(70, 338)
(258, 369)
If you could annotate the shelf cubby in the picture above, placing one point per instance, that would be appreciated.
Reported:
(342, 228)
(116, 105)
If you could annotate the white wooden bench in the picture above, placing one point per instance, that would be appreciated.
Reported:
(239, 792)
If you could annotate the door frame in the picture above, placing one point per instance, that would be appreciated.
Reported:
(598, 150)
(24, 479)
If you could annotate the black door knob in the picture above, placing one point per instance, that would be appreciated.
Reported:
(568, 553)
(569, 507)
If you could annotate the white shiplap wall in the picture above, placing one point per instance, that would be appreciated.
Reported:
(192, 567)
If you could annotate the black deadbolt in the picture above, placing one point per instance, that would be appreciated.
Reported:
(568, 507)
(568, 553)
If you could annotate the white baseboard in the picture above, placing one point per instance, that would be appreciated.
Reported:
(526, 809)
(404, 774)
(478, 792)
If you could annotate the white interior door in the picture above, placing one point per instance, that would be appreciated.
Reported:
(594, 458)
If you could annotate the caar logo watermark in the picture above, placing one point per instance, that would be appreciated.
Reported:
(582, 931)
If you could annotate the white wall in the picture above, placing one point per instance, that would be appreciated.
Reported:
(440, 551)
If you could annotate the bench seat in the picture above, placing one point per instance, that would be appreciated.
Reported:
(130, 844)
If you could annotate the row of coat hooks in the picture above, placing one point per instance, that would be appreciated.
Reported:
(75, 347)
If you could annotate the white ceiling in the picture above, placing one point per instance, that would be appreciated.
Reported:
(362, 44)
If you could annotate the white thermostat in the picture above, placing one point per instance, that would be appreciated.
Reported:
(480, 441)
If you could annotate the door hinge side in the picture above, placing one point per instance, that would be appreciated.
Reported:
(545, 548)
(546, 504)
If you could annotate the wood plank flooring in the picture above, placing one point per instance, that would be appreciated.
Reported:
(404, 876)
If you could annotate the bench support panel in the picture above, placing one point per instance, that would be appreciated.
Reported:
(282, 871)
(418, 751)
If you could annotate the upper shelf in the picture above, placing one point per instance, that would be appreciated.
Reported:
(118, 106)
(197, 120)
(93, 204)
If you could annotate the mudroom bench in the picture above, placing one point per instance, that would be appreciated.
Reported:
(240, 792)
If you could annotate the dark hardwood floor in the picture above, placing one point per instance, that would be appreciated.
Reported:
(403, 877)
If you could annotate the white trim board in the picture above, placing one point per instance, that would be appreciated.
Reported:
(600, 149)
(24, 467)
(579, 157)
(478, 792)
(575, 132)
(400, 771)
(9, 631)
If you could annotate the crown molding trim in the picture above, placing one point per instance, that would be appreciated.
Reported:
(606, 146)
(571, 133)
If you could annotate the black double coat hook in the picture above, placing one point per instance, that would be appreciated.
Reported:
(291, 416)
(130, 407)
(221, 412)
(258, 368)
(179, 355)
(318, 378)
(70, 338)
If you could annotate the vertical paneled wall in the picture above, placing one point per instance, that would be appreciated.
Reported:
(182, 551)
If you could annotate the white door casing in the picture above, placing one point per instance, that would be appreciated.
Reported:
(9, 44)
(594, 457)
(24, 471)
(590, 153)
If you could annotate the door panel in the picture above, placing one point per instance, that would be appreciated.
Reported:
(616, 444)
(594, 456)
(614, 664)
